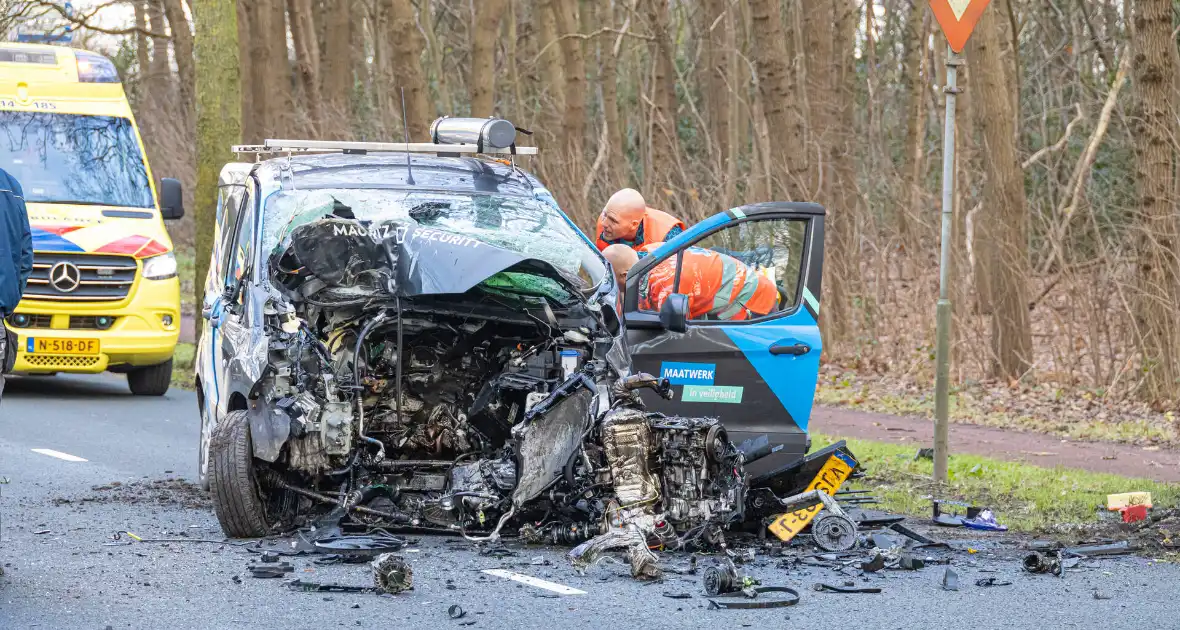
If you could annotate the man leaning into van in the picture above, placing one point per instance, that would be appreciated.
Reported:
(16, 263)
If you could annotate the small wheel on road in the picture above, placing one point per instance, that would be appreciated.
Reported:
(236, 499)
(151, 381)
(833, 532)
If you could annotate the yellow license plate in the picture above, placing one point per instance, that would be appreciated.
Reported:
(41, 345)
(829, 479)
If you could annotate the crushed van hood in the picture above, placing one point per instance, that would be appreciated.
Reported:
(405, 260)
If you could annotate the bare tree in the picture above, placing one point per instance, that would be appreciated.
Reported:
(408, 45)
(218, 119)
(781, 105)
(485, 27)
(1005, 210)
(307, 59)
(1158, 279)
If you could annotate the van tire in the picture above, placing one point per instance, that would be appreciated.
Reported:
(236, 499)
(151, 381)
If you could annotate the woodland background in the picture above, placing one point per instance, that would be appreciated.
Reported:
(1066, 278)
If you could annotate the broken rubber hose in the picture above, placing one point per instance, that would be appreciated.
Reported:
(356, 381)
(791, 599)
(821, 587)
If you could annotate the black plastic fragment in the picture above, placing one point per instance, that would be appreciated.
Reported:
(832, 588)
(678, 595)
(992, 581)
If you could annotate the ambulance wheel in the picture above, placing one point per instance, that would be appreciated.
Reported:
(151, 381)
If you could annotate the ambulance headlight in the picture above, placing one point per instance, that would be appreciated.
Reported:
(160, 267)
(94, 68)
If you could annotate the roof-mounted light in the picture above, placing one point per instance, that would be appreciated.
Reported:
(486, 133)
(94, 68)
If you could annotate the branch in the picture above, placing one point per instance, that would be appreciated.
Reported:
(605, 29)
(83, 20)
(1077, 180)
(1060, 144)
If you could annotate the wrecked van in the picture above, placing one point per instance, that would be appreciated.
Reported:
(427, 342)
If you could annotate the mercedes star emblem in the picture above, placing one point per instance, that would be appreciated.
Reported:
(65, 277)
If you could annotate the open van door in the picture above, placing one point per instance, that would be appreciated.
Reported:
(755, 371)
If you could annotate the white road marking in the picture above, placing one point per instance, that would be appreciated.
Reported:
(59, 454)
(561, 589)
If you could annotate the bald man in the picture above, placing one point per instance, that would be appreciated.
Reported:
(621, 259)
(626, 220)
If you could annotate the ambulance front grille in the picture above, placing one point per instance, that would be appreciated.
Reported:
(60, 361)
(101, 277)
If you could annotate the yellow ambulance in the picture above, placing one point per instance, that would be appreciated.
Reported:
(103, 295)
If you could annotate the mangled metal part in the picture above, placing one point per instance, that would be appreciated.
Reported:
(628, 442)
(643, 562)
(392, 574)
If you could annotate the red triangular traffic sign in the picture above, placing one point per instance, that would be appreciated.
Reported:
(957, 19)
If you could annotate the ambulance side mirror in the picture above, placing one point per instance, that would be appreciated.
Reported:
(674, 313)
(171, 199)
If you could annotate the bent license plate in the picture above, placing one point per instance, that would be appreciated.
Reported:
(829, 479)
(43, 345)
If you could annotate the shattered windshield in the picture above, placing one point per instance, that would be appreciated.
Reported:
(524, 226)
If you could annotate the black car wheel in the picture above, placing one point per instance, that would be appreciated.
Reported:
(236, 498)
(151, 381)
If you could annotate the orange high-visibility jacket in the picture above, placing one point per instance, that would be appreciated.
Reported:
(657, 227)
(718, 286)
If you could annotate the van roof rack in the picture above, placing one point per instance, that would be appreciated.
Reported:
(333, 146)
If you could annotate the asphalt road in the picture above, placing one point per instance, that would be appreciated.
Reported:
(61, 570)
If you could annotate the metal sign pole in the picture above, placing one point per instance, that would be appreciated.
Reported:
(943, 336)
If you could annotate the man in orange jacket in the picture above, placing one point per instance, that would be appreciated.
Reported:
(626, 220)
(718, 286)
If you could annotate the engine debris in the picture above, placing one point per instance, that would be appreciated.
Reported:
(392, 574)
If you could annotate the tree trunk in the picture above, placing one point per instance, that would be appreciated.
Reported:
(781, 103)
(842, 217)
(218, 121)
(249, 122)
(182, 42)
(818, 24)
(913, 81)
(616, 168)
(665, 141)
(716, 43)
(337, 77)
(143, 56)
(1158, 278)
(272, 88)
(574, 65)
(161, 69)
(485, 33)
(307, 60)
(1005, 211)
(408, 45)
(551, 70)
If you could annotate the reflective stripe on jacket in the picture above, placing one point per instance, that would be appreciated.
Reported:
(718, 286)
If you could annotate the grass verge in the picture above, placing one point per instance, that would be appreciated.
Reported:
(182, 365)
(1076, 415)
(1025, 498)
